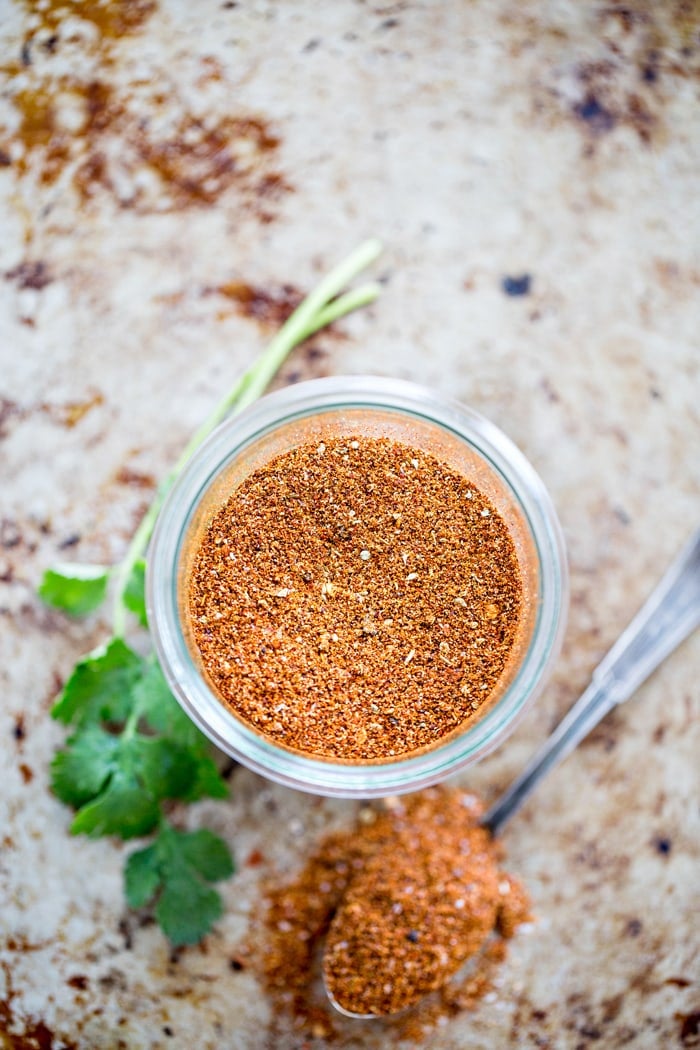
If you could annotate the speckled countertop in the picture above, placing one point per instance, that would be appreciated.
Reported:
(154, 158)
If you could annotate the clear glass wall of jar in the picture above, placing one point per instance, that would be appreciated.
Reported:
(372, 407)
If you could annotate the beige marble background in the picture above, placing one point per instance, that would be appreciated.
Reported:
(152, 155)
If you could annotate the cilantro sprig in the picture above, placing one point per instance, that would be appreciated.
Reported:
(177, 867)
(132, 754)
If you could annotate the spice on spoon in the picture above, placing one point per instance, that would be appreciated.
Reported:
(356, 891)
(355, 599)
(423, 904)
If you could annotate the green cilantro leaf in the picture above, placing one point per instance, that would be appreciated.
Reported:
(141, 877)
(123, 809)
(135, 592)
(177, 867)
(207, 782)
(164, 766)
(161, 711)
(78, 772)
(76, 589)
(207, 853)
(187, 908)
(100, 687)
(119, 781)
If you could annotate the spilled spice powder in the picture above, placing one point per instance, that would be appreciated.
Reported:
(356, 599)
(385, 897)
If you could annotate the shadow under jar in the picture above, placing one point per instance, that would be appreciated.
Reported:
(356, 586)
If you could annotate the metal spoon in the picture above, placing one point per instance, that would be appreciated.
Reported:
(669, 615)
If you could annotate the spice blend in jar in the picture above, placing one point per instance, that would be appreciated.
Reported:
(401, 900)
(355, 599)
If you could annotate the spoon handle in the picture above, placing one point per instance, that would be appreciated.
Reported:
(669, 615)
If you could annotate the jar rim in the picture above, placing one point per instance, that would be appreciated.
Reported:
(321, 775)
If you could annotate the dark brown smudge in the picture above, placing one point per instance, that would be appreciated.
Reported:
(689, 1031)
(30, 274)
(9, 411)
(269, 306)
(26, 773)
(78, 981)
(135, 479)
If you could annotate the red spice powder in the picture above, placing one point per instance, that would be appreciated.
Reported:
(356, 599)
(382, 899)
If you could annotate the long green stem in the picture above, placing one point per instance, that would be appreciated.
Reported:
(297, 326)
(123, 571)
(341, 306)
(321, 307)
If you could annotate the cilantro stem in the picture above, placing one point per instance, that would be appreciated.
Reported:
(131, 723)
(343, 305)
(321, 307)
(303, 321)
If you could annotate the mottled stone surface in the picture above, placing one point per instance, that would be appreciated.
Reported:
(156, 158)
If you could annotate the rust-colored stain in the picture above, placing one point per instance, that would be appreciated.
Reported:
(30, 274)
(102, 139)
(69, 413)
(24, 1033)
(198, 162)
(134, 478)
(270, 306)
(112, 18)
(194, 163)
(78, 981)
(255, 859)
(26, 773)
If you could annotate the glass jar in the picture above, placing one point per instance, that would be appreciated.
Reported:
(370, 407)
